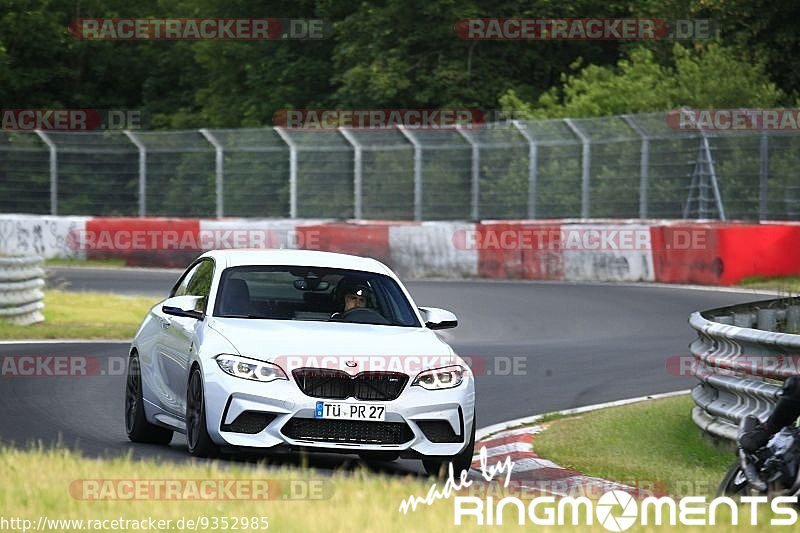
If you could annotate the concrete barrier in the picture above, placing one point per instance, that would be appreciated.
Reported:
(431, 250)
(600, 250)
(41, 235)
(607, 252)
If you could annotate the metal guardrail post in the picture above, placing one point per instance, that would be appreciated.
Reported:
(475, 171)
(357, 173)
(292, 171)
(417, 171)
(586, 160)
(142, 171)
(644, 164)
(53, 171)
(219, 151)
(533, 167)
(763, 176)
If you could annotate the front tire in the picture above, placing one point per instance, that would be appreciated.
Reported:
(136, 424)
(197, 437)
(734, 483)
(439, 467)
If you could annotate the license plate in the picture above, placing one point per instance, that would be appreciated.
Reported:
(350, 411)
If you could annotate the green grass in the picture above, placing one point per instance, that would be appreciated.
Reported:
(84, 315)
(111, 262)
(55, 483)
(654, 441)
(789, 285)
(40, 483)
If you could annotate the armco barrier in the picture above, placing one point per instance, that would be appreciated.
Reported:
(740, 364)
(21, 281)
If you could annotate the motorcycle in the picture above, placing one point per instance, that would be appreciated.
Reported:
(773, 470)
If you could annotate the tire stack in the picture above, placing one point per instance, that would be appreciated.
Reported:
(21, 282)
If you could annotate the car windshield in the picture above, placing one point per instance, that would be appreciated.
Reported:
(312, 293)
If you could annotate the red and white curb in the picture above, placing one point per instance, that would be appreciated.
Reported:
(532, 473)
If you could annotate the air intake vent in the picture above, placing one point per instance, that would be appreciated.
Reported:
(438, 431)
(250, 422)
(347, 431)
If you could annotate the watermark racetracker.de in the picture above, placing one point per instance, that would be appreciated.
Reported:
(583, 29)
(577, 238)
(787, 119)
(331, 119)
(79, 366)
(199, 29)
(200, 489)
(71, 119)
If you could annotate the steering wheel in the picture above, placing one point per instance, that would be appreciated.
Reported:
(363, 315)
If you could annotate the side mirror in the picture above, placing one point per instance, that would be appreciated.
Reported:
(436, 318)
(185, 306)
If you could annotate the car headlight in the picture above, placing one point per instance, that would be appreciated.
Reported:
(440, 378)
(246, 368)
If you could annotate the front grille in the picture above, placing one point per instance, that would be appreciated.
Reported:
(347, 431)
(438, 431)
(338, 385)
(250, 422)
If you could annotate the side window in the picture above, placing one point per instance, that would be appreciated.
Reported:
(199, 282)
(180, 290)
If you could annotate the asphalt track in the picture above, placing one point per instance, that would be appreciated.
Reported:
(573, 345)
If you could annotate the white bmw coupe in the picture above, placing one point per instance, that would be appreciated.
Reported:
(305, 350)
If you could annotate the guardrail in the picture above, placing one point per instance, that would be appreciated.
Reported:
(21, 281)
(742, 355)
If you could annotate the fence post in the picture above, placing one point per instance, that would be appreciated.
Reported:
(644, 164)
(219, 168)
(417, 171)
(704, 168)
(763, 189)
(532, 167)
(292, 171)
(142, 171)
(357, 173)
(586, 158)
(476, 172)
(713, 175)
(53, 171)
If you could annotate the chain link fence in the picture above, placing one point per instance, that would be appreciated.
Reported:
(632, 166)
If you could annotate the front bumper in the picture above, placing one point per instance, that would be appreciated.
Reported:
(227, 397)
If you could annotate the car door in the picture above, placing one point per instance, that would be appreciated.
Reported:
(177, 340)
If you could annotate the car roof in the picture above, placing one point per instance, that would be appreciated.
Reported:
(248, 257)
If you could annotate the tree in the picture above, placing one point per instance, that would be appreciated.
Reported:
(710, 76)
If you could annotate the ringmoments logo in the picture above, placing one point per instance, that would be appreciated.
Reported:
(619, 511)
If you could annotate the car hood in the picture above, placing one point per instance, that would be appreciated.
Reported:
(298, 344)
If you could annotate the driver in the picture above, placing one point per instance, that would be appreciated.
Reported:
(355, 294)
(785, 413)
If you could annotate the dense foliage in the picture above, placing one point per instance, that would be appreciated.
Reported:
(394, 53)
